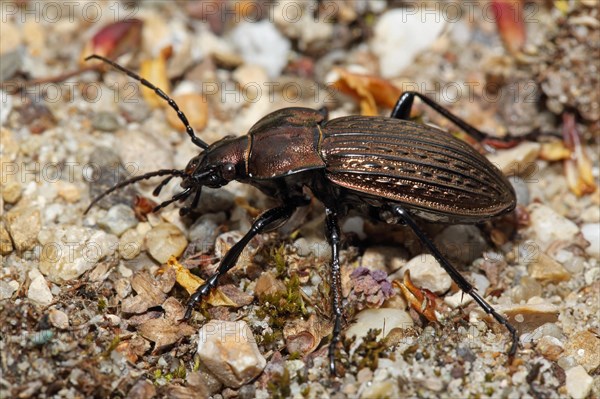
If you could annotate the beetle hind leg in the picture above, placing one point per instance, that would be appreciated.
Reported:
(458, 278)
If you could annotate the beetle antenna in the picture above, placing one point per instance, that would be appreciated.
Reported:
(188, 128)
(162, 172)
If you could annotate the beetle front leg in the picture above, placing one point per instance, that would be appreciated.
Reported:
(333, 234)
(262, 224)
(462, 283)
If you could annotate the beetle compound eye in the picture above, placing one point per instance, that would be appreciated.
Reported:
(228, 171)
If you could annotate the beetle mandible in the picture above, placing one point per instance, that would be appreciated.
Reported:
(389, 169)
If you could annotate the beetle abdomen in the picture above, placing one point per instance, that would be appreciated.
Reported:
(419, 166)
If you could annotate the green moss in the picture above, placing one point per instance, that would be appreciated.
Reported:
(102, 305)
(112, 346)
(279, 385)
(370, 350)
(282, 306)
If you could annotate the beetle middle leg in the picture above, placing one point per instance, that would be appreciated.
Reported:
(268, 220)
(333, 235)
(462, 283)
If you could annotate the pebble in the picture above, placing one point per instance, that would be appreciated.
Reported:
(228, 349)
(194, 106)
(461, 243)
(578, 382)
(528, 288)
(108, 171)
(413, 32)
(143, 151)
(384, 319)
(548, 226)
(205, 230)
(585, 348)
(526, 318)
(23, 224)
(6, 245)
(69, 251)
(356, 225)
(58, 318)
(105, 121)
(11, 192)
(591, 232)
(165, 240)
(7, 100)
(118, 219)
(38, 291)
(547, 270)
(215, 200)
(426, 272)
(384, 258)
(261, 43)
(7, 289)
(130, 244)
(550, 347)
(517, 160)
(521, 190)
(69, 192)
(313, 245)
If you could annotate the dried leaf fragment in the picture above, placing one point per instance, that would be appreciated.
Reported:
(369, 90)
(554, 151)
(115, 39)
(164, 332)
(191, 282)
(422, 300)
(510, 23)
(578, 168)
(150, 291)
(303, 336)
(155, 71)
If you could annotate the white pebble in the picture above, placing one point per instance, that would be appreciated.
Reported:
(426, 272)
(384, 319)
(39, 292)
(578, 382)
(548, 226)
(591, 232)
(406, 31)
(261, 43)
(229, 351)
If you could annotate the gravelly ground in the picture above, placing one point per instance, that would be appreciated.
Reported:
(89, 304)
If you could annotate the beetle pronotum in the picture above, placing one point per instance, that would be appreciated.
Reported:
(389, 169)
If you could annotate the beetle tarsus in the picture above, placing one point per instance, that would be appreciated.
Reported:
(458, 278)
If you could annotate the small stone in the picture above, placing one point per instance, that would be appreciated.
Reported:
(105, 121)
(384, 258)
(550, 347)
(313, 245)
(591, 232)
(547, 270)
(528, 288)
(58, 318)
(11, 192)
(118, 219)
(204, 231)
(69, 251)
(356, 225)
(24, 224)
(229, 351)
(381, 389)
(165, 240)
(578, 382)
(38, 291)
(517, 160)
(411, 31)
(521, 190)
(526, 318)
(548, 226)
(144, 151)
(7, 289)
(215, 200)
(6, 245)
(461, 243)
(130, 244)
(426, 272)
(384, 319)
(69, 192)
(585, 348)
(261, 43)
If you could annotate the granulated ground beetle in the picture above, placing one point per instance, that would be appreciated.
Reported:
(389, 169)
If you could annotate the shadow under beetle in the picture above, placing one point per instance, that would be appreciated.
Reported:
(389, 169)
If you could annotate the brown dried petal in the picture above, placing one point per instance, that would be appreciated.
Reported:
(115, 39)
(164, 332)
(303, 336)
(420, 299)
(510, 23)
